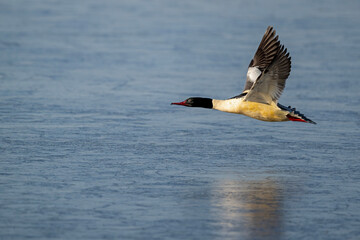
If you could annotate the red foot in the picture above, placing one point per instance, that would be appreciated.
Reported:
(291, 118)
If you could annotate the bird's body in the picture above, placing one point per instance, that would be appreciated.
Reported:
(265, 112)
(266, 77)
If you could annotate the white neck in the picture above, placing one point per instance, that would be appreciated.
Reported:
(232, 105)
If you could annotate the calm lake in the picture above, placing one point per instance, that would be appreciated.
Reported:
(90, 147)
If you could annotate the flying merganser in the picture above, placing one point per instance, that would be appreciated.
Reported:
(266, 77)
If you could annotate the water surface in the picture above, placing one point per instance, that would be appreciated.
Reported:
(90, 147)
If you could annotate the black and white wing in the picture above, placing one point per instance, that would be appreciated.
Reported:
(271, 82)
(264, 56)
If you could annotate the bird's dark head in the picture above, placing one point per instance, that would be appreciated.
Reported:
(196, 102)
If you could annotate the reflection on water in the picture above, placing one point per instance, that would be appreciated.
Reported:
(250, 208)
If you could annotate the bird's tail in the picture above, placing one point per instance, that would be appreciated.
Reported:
(294, 115)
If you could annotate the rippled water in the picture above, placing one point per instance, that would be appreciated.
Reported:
(90, 147)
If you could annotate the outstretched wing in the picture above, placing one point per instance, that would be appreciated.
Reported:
(264, 56)
(271, 82)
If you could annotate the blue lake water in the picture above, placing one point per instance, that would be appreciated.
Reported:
(90, 147)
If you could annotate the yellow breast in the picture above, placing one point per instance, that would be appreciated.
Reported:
(264, 112)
